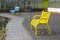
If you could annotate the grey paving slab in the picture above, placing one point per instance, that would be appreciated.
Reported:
(16, 31)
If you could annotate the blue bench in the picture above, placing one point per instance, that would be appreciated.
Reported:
(15, 9)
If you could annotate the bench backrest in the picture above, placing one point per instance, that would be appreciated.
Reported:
(44, 17)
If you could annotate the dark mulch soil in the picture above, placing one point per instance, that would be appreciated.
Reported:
(3, 21)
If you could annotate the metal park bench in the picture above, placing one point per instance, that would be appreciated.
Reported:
(43, 20)
(15, 9)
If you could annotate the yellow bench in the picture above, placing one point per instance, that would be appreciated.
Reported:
(43, 20)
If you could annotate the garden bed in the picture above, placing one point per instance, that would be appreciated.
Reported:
(3, 22)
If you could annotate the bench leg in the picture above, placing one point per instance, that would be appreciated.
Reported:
(36, 31)
(42, 27)
(49, 29)
(30, 26)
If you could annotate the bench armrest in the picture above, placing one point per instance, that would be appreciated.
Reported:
(36, 16)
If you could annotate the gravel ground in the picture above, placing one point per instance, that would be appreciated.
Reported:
(19, 29)
(54, 24)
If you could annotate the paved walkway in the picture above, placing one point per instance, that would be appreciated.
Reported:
(15, 28)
